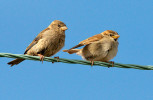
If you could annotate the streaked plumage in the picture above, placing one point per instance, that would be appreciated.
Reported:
(47, 43)
(101, 47)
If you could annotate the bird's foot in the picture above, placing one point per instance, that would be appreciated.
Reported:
(92, 63)
(56, 58)
(41, 58)
(111, 62)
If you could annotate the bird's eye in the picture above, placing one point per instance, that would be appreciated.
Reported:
(59, 25)
(111, 34)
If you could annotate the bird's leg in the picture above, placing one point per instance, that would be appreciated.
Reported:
(92, 62)
(41, 57)
(111, 62)
(57, 58)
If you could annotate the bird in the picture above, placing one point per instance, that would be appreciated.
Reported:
(101, 47)
(47, 43)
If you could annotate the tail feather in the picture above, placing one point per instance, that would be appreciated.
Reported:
(79, 45)
(15, 62)
(71, 51)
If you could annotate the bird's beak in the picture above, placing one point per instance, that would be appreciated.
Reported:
(64, 28)
(116, 36)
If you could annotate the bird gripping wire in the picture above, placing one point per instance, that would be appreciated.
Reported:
(74, 61)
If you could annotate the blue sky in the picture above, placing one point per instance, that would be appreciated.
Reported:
(22, 20)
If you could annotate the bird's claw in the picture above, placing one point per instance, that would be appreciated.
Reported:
(56, 58)
(92, 63)
(111, 62)
(41, 58)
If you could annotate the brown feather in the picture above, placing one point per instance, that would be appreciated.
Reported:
(88, 41)
(71, 51)
(16, 61)
(91, 39)
(35, 41)
(79, 45)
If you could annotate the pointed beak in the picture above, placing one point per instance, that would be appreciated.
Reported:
(116, 36)
(64, 28)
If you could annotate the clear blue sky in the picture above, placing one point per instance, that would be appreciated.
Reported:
(22, 20)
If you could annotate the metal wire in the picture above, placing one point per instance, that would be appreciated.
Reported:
(74, 61)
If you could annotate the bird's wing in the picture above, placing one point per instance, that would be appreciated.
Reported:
(35, 41)
(89, 40)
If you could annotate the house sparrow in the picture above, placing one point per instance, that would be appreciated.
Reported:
(101, 47)
(47, 43)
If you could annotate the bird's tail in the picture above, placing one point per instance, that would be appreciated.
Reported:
(15, 62)
(71, 51)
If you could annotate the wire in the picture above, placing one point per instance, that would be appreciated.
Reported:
(74, 61)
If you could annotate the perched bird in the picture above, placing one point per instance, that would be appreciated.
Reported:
(47, 43)
(101, 47)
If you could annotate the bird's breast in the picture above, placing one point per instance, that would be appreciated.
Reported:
(112, 52)
(54, 45)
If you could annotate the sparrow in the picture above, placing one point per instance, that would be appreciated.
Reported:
(47, 43)
(101, 47)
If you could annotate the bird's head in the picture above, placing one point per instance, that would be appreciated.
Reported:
(111, 34)
(56, 24)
